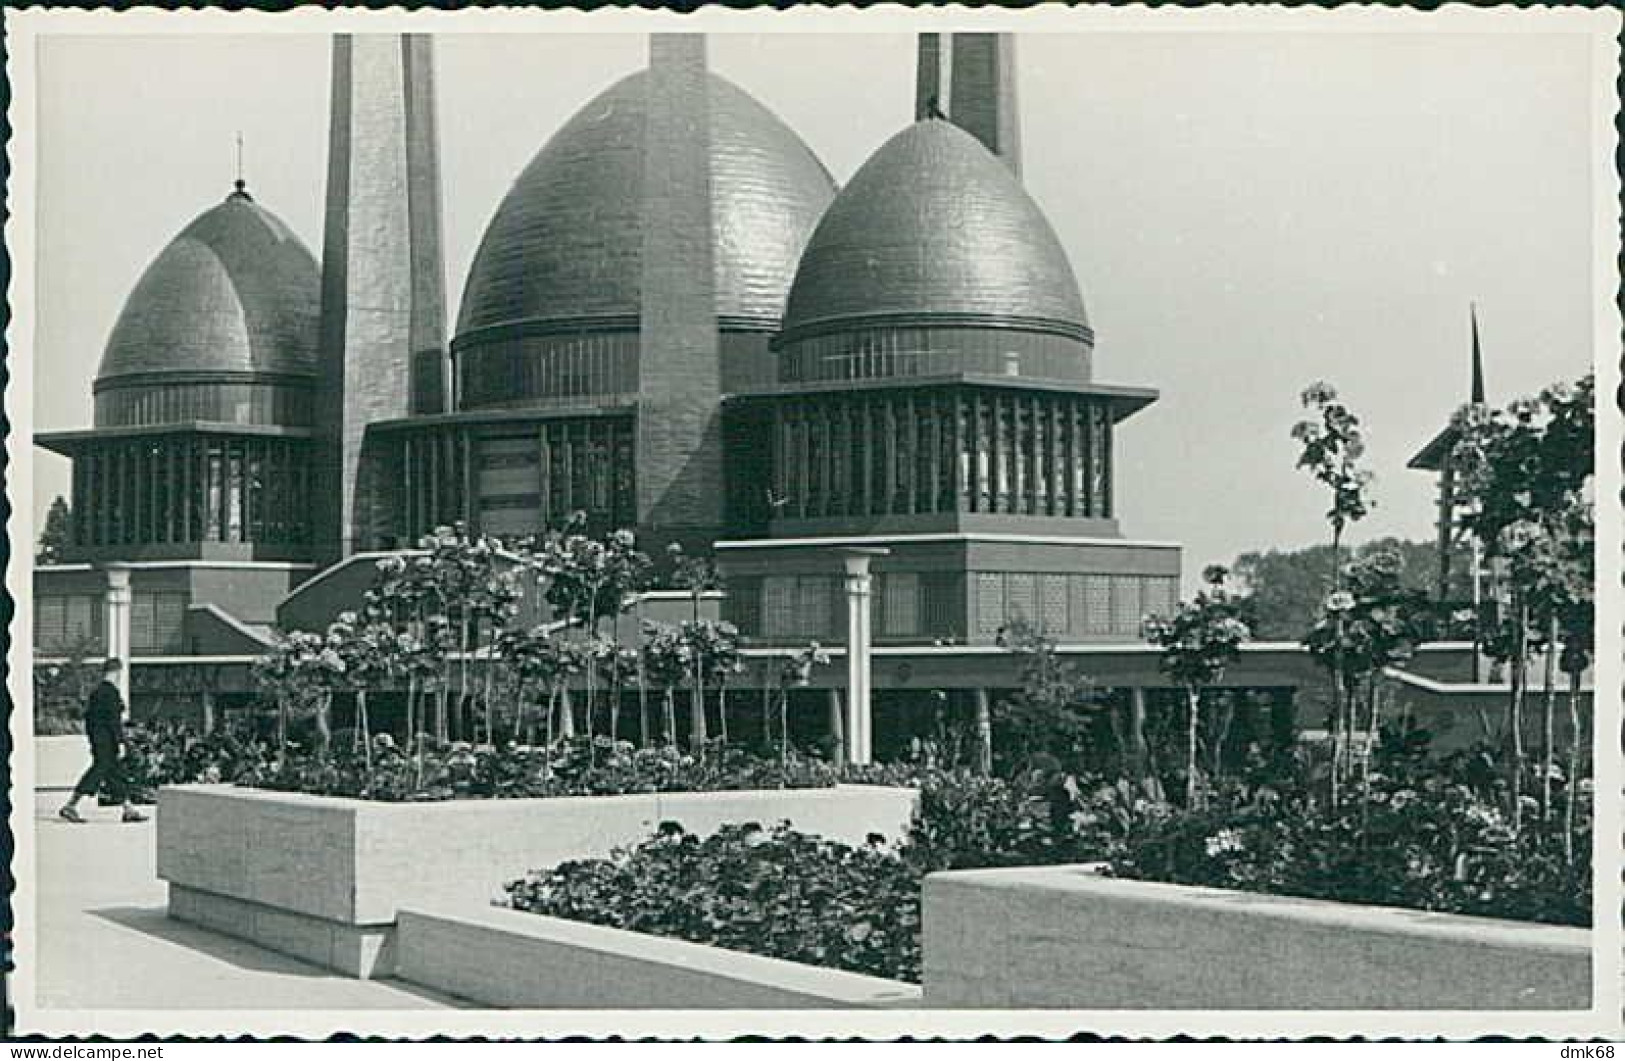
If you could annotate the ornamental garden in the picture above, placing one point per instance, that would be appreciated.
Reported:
(745, 835)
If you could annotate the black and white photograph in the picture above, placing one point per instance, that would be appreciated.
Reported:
(823, 523)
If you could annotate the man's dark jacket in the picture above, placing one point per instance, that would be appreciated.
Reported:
(104, 715)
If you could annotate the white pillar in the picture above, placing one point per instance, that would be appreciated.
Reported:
(859, 731)
(116, 628)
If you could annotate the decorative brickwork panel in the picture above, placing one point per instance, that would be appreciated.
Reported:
(1021, 597)
(1097, 606)
(744, 604)
(1161, 596)
(989, 602)
(1053, 603)
(901, 608)
(1127, 608)
(65, 622)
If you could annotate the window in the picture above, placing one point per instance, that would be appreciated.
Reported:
(900, 603)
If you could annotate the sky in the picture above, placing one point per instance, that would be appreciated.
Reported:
(1246, 212)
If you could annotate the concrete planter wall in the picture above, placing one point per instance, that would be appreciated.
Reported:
(1063, 937)
(323, 878)
(60, 760)
(509, 959)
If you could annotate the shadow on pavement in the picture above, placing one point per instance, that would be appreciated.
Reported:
(153, 921)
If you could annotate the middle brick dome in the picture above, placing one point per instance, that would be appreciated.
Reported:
(563, 254)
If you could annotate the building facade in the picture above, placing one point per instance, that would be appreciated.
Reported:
(675, 322)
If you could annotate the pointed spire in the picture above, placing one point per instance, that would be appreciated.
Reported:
(1478, 361)
(240, 186)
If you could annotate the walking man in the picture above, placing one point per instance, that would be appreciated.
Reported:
(104, 725)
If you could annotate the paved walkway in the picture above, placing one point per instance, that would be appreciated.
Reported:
(106, 944)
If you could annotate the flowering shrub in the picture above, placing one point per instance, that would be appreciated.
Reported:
(775, 892)
(170, 753)
(1429, 836)
(581, 766)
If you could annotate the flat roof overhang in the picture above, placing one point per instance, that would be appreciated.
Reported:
(1431, 457)
(501, 417)
(1124, 400)
(69, 442)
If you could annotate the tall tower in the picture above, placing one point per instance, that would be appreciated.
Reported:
(679, 430)
(970, 79)
(383, 315)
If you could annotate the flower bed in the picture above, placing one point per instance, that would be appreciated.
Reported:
(170, 754)
(777, 892)
(1421, 841)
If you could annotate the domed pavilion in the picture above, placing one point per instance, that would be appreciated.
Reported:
(203, 402)
(933, 398)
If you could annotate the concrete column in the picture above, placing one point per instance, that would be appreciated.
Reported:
(116, 628)
(859, 588)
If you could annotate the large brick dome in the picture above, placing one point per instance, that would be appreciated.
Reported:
(565, 246)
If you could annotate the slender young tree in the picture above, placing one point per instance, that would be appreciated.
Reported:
(1199, 641)
(698, 576)
(795, 672)
(1332, 447)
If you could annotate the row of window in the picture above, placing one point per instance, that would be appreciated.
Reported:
(1074, 604)
(75, 622)
(974, 451)
(536, 368)
(884, 353)
(521, 484)
(284, 404)
(191, 489)
(910, 605)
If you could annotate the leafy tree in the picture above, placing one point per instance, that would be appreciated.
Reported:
(56, 537)
(1200, 640)
(1526, 472)
(1287, 588)
(300, 673)
(1050, 712)
(589, 581)
(1374, 622)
